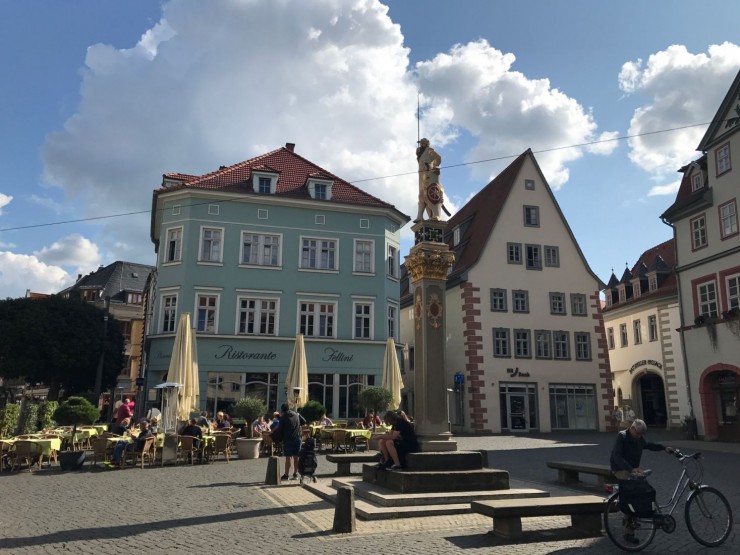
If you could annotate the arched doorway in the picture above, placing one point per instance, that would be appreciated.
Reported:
(652, 398)
(719, 390)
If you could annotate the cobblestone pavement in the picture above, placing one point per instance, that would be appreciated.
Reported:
(226, 508)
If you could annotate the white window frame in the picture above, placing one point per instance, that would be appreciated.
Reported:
(697, 182)
(261, 315)
(214, 209)
(531, 216)
(173, 243)
(706, 298)
(698, 232)
(610, 338)
(623, 338)
(732, 286)
(722, 159)
(261, 245)
(323, 247)
(392, 261)
(256, 184)
(551, 256)
(520, 301)
(355, 266)
(728, 219)
(514, 253)
(392, 321)
(557, 303)
(317, 310)
(522, 343)
(578, 304)
(207, 295)
(456, 236)
(637, 332)
(366, 316)
(533, 262)
(543, 344)
(498, 300)
(582, 341)
(166, 310)
(202, 244)
(320, 189)
(652, 328)
(560, 345)
(501, 346)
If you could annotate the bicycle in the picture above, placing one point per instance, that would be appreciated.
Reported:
(707, 512)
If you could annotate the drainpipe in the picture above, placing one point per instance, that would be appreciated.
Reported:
(681, 320)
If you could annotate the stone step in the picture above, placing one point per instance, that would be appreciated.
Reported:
(387, 498)
(435, 461)
(405, 481)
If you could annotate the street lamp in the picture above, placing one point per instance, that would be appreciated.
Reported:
(449, 424)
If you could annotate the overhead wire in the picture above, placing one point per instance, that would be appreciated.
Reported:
(450, 166)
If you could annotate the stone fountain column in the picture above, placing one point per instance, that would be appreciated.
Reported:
(428, 263)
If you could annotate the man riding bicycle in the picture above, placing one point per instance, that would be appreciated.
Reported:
(625, 459)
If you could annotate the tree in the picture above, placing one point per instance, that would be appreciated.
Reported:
(375, 399)
(58, 342)
(250, 409)
(312, 411)
(75, 411)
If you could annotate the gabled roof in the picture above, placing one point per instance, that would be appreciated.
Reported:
(626, 276)
(727, 119)
(478, 218)
(686, 198)
(115, 280)
(613, 281)
(293, 170)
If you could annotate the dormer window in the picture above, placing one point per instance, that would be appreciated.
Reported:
(653, 282)
(696, 181)
(456, 236)
(264, 183)
(319, 189)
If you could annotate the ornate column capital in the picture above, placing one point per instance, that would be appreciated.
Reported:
(429, 263)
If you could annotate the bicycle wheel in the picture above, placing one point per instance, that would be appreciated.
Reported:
(627, 532)
(708, 516)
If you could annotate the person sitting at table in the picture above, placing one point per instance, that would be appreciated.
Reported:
(221, 423)
(120, 429)
(275, 420)
(136, 445)
(326, 421)
(367, 422)
(260, 425)
(154, 424)
(193, 430)
(203, 421)
(395, 444)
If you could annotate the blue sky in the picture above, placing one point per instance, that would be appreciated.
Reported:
(101, 97)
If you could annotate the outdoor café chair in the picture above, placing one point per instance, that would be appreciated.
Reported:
(187, 448)
(102, 448)
(360, 442)
(342, 441)
(148, 452)
(25, 451)
(222, 444)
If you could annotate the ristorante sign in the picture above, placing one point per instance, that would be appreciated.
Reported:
(230, 353)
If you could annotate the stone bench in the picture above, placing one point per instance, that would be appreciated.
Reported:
(568, 471)
(585, 513)
(345, 460)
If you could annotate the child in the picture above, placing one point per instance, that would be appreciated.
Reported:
(307, 460)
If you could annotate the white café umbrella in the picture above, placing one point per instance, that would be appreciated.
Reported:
(392, 380)
(297, 380)
(184, 368)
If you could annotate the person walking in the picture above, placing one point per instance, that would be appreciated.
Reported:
(289, 430)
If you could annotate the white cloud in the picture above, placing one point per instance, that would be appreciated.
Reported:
(684, 89)
(74, 251)
(47, 202)
(667, 189)
(4, 245)
(332, 76)
(19, 272)
(473, 87)
(4, 201)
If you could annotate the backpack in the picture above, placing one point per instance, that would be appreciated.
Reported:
(636, 497)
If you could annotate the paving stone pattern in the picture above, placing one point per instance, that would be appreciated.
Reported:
(226, 508)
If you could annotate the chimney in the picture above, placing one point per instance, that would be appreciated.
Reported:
(79, 277)
(290, 146)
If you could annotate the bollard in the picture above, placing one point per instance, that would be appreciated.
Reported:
(344, 512)
(272, 476)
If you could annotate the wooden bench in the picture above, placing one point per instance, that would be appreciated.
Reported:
(568, 471)
(345, 460)
(585, 513)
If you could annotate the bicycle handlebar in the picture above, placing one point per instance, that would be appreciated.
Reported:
(680, 456)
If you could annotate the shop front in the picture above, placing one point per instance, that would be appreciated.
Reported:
(720, 391)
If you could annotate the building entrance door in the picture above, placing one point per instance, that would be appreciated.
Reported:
(652, 396)
(518, 412)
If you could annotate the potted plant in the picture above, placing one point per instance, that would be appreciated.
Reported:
(312, 411)
(249, 408)
(73, 412)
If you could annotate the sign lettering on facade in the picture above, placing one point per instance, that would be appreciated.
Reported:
(514, 372)
(227, 351)
(335, 355)
(640, 363)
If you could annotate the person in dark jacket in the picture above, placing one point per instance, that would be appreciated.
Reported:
(627, 451)
(289, 430)
(400, 440)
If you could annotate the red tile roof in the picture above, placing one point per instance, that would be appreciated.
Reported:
(293, 171)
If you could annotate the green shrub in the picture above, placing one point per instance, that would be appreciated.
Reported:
(249, 408)
(375, 399)
(46, 414)
(9, 416)
(29, 419)
(75, 411)
(312, 411)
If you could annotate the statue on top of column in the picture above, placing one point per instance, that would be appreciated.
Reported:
(431, 193)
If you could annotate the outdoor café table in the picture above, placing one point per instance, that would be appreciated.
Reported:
(101, 428)
(49, 446)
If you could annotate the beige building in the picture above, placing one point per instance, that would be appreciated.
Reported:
(641, 318)
(705, 226)
(525, 344)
